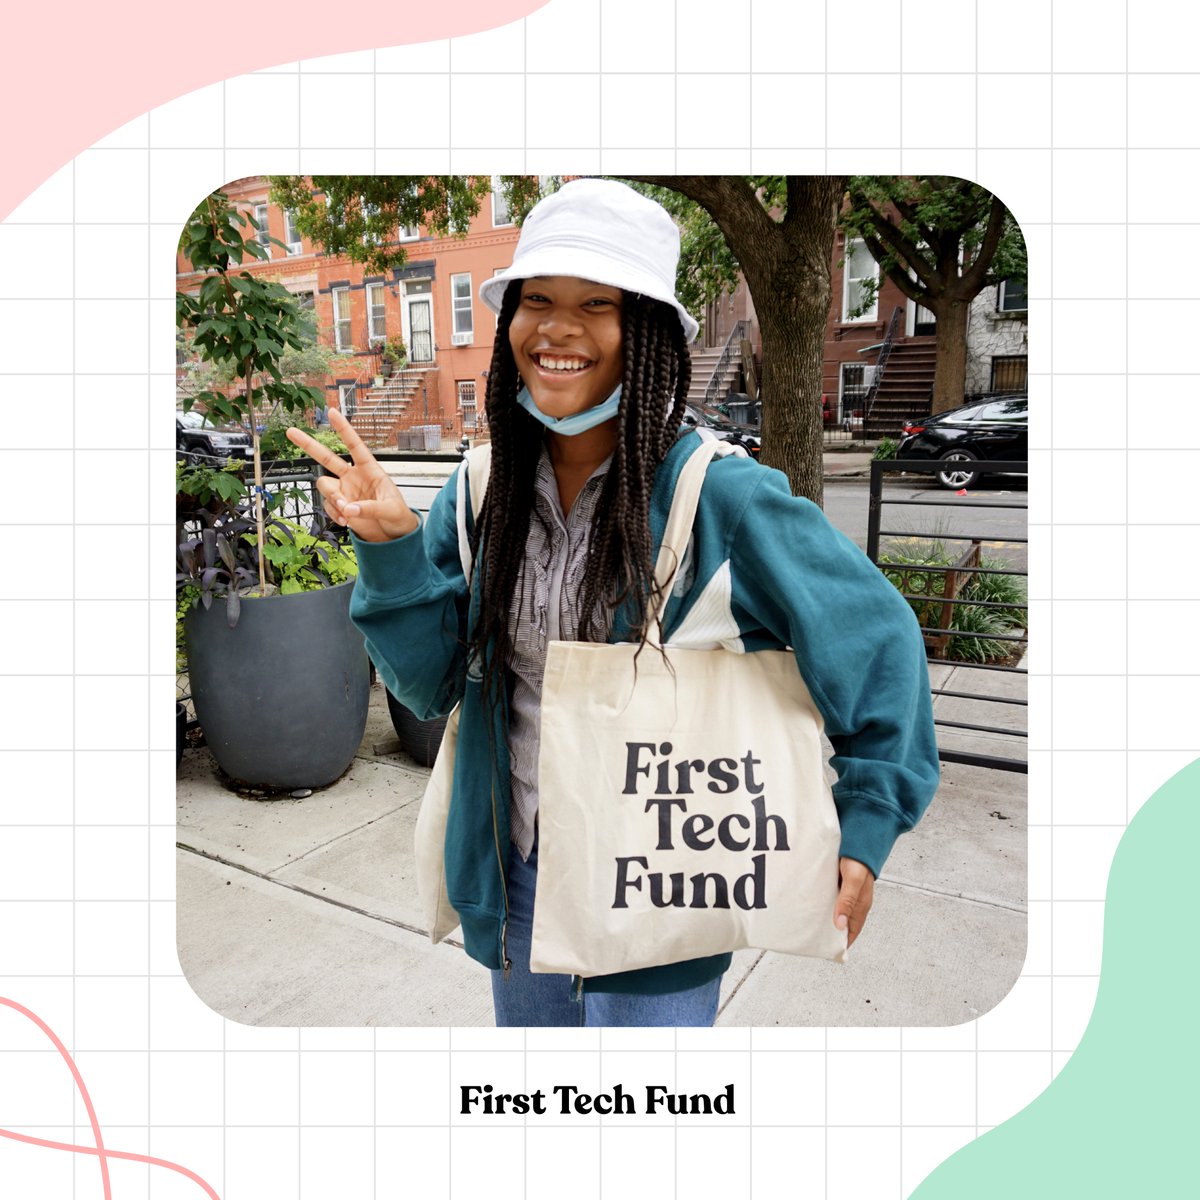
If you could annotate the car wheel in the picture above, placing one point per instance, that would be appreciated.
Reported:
(958, 475)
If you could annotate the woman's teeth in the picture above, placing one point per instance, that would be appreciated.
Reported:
(562, 364)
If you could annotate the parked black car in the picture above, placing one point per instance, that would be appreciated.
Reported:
(729, 431)
(996, 428)
(200, 441)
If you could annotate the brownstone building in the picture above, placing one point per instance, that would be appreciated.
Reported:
(431, 304)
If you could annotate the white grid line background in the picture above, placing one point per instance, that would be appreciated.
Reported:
(1080, 136)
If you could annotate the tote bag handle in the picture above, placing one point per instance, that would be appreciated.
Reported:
(479, 469)
(679, 523)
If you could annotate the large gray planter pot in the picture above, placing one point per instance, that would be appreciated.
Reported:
(282, 697)
(420, 740)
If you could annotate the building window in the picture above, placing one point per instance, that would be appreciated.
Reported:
(376, 314)
(859, 271)
(291, 235)
(263, 233)
(500, 213)
(498, 271)
(341, 319)
(466, 404)
(1012, 296)
(1010, 373)
(464, 321)
(347, 399)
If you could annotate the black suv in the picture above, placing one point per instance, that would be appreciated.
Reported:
(200, 442)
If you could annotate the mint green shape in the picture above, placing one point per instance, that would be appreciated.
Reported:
(1122, 1118)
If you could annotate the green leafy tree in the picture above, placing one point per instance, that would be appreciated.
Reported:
(243, 326)
(941, 240)
(360, 216)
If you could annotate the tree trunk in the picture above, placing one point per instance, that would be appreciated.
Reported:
(790, 282)
(950, 373)
(793, 341)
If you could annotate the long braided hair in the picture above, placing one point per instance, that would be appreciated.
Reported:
(619, 571)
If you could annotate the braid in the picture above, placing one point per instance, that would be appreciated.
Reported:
(619, 571)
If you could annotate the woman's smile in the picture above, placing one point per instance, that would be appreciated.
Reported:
(568, 343)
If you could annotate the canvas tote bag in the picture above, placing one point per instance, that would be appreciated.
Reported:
(430, 836)
(685, 814)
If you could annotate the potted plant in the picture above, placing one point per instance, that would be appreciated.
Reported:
(279, 676)
(393, 357)
(280, 684)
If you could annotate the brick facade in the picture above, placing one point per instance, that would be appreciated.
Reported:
(425, 280)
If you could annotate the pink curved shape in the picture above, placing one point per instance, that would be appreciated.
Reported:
(112, 62)
(98, 1149)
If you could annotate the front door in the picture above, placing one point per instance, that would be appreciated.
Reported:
(420, 329)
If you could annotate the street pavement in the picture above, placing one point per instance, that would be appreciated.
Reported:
(303, 910)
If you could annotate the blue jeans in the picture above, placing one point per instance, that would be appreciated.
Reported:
(525, 999)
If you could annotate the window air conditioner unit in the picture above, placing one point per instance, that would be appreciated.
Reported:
(462, 339)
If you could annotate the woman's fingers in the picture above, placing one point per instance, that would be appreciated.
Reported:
(357, 447)
(333, 500)
(856, 892)
(394, 520)
(318, 453)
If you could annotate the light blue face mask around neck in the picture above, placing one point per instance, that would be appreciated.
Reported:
(577, 422)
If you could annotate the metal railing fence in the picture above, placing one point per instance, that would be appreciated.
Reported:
(942, 603)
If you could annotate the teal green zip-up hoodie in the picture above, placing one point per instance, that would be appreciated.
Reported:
(764, 570)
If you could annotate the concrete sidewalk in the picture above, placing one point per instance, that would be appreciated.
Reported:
(303, 911)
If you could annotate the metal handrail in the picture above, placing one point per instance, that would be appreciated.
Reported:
(740, 329)
(885, 351)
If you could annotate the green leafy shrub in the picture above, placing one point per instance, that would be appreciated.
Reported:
(223, 561)
(970, 619)
(886, 450)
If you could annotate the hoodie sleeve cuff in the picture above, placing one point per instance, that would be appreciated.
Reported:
(869, 829)
(396, 570)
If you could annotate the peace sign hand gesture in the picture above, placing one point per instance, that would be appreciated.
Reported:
(360, 493)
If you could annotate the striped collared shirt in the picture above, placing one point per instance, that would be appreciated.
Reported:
(544, 609)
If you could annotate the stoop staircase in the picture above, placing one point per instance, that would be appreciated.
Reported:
(906, 388)
(705, 363)
(379, 412)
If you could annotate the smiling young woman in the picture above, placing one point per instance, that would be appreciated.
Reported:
(585, 401)
(567, 342)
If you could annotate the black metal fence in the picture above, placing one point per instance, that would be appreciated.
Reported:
(935, 591)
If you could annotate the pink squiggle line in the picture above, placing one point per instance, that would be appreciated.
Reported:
(98, 1150)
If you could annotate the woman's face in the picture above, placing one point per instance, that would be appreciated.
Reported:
(567, 342)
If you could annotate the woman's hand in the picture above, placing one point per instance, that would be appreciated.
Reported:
(360, 494)
(856, 891)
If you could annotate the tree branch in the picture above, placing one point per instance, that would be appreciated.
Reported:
(975, 277)
(896, 242)
(900, 277)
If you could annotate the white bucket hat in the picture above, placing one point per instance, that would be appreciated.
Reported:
(601, 230)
